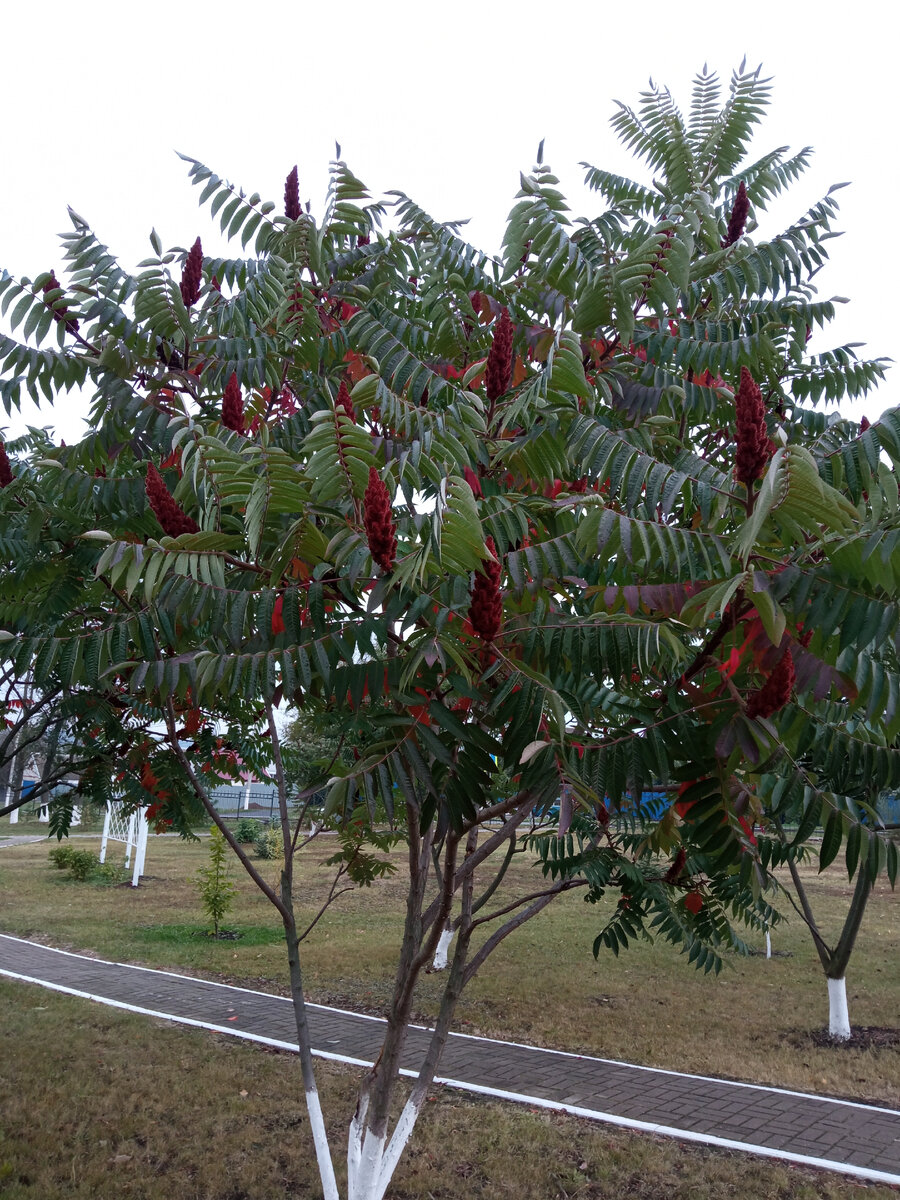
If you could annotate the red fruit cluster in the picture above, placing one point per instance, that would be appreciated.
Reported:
(864, 424)
(343, 401)
(486, 609)
(498, 372)
(775, 692)
(6, 475)
(166, 509)
(292, 196)
(473, 481)
(59, 310)
(738, 218)
(674, 872)
(381, 533)
(754, 446)
(192, 275)
(233, 405)
(278, 615)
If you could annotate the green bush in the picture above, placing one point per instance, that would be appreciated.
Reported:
(246, 830)
(61, 856)
(82, 864)
(111, 873)
(268, 843)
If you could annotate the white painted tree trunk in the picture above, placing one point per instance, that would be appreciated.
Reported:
(370, 1162)
(320, 1141)
(768, 945)
(838, 1013)
(443, 948)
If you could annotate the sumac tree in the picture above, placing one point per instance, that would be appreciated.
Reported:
(571, 516)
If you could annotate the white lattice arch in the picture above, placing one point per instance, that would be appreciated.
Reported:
(131, 830)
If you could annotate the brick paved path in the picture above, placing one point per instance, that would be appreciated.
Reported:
(857, 1139)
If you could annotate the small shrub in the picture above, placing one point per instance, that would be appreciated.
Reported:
(111, 873)
(246, 830)
(268, 843)
(215, 888)
(61, 855)
(82, 864)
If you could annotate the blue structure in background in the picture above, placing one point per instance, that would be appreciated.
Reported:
(888, 807)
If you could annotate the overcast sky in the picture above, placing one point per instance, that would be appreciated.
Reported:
(445, 101)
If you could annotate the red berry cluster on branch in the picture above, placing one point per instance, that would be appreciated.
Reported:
(675, 870)
(6, 475)
(166, 509)
(233, 405)
(59, 311)
(775, 692)
(486, 609)
(381, 533)
(343, 401)
(754, 446)
(192, 275)
(498, 372)
(292, 196)
(738, 218)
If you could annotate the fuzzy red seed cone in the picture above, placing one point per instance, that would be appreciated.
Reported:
(233, 405)
(775, 692)
(381, 533)
(6, 475)
(674, 872)
(738, 218)
(192, 275)
(864, 424)
(292, 196)
(166, 509)
(754, 448)
(486, 608)
(473, 481)
(498, 371)
(344, 402)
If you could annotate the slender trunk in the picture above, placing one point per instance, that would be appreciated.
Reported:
(416, 950)
(16, 771)
(379, 1156)
(313, 1105)
(822, 948)
(842, 951)
(443, 946)
(838, 1013)
(412, 1108)
(442, 953)
(835, 960)
(298, 996)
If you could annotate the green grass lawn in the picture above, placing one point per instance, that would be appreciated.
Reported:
(649, 1006)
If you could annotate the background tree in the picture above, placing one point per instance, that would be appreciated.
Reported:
(564, 514)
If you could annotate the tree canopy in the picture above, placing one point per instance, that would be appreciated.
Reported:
(584, 513)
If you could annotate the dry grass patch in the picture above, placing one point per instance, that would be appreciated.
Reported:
(650, 1006)
(97, 1104)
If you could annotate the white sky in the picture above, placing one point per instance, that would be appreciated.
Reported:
(444, 101)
